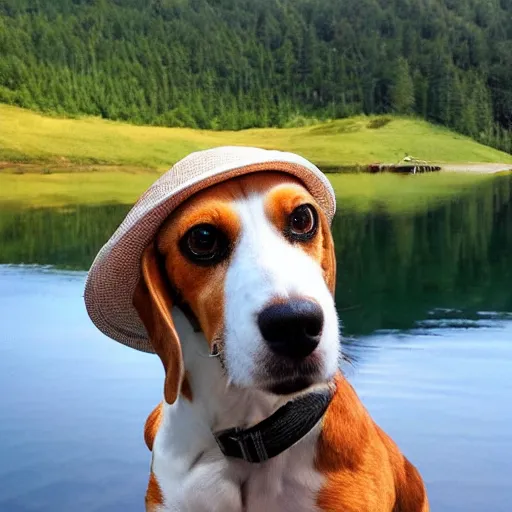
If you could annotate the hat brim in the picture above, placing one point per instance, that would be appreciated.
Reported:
(115, 272)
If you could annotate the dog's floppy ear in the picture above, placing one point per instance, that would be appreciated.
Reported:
(153, 303)
(328, 256)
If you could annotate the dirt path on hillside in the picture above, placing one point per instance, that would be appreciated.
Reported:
(484, 168)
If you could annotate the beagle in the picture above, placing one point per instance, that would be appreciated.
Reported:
(236, 295)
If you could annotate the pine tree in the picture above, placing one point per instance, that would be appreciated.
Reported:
(469, 122)
(402, 89)
(458, 101)
(420, 94)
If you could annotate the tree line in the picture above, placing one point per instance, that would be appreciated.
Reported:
(234, 64)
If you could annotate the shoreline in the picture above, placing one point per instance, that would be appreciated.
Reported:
(66, 167)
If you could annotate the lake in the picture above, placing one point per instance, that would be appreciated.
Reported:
(426, 305)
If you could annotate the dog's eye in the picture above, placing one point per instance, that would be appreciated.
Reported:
(303, 222)
(204, 244)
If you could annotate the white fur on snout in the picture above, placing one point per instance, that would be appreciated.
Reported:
(263, 267)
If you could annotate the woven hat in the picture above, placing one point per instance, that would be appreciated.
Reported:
(115, 271)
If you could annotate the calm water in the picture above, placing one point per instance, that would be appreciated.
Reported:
(426, 302)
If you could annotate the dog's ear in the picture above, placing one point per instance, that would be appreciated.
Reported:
(328, 256)
(153, 304)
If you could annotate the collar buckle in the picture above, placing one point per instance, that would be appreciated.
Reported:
(246, 445)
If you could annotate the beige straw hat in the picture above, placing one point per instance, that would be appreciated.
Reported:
(116, 270)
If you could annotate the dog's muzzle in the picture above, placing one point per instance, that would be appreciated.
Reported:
(293, 328)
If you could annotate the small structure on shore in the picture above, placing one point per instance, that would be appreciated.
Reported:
(408, 165)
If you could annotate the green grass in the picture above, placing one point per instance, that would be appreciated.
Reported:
(27, 136)
(49, 161)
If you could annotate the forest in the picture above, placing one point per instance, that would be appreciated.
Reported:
(235, 64)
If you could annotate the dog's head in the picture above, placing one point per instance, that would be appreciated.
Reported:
(251, 262)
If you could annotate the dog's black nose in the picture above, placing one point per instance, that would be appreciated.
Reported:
(292, 328)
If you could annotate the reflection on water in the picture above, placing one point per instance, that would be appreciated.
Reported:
(391, 269)
(67, 238)
(426, 302)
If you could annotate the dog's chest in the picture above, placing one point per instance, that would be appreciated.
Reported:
(287, 484)
(212, 482)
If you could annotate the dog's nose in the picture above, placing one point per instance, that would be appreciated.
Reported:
(292, 328)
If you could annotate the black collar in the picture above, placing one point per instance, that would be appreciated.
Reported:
(278, 432)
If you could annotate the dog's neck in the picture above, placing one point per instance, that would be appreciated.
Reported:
(215, 400)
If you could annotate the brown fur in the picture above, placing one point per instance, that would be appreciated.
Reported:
(153, 303)
(152, 425)
(154, 497)
(364, 469)
(186, 389)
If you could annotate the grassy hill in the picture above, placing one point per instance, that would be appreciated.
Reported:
(30, 137)
(53, 161)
